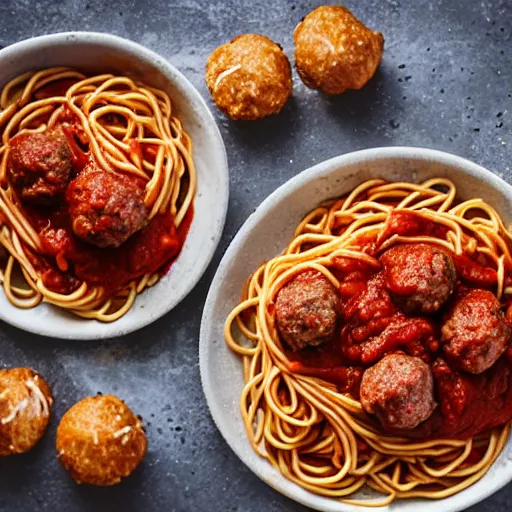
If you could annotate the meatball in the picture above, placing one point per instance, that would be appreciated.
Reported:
(39, 166)
(420, 278)
(474, 333)
(334, 51)
(105, 208)
(25, 406)
(100, 441)
(249, 78)
(307, 310)
(399, 390)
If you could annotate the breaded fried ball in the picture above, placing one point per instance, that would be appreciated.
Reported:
(334, 51)
(100, 441)
(25, 407)
(249, 78)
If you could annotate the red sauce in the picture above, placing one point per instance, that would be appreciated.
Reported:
(415, 335)
(347, 378)
(57, 88)
(327, 355)
(79, 157)
(408, 223)
(373, 326)
(151, 250)
(366, 314)
(467, 404)
(474, 273)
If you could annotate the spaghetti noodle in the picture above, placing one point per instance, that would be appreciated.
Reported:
(314, 434)
(126, 127)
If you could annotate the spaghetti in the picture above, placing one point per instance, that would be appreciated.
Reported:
(126, 127)
(317, 436)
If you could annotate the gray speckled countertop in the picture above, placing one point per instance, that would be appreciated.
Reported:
(445, 82)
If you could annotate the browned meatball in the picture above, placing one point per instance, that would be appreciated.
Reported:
(100, 441)
(420, 278)
(399, 390)
(249, 78)
(106, 208)
(25, 407)
(334, 51)
(307, 310)
(474, 333)
(39, 166)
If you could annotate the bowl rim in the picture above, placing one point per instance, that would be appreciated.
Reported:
(191, 96)
(457, 502)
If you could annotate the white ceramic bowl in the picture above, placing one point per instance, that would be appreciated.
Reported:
(97, 53)
(265, 234)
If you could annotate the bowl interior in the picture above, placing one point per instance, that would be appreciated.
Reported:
(101, 53)
(265, 234)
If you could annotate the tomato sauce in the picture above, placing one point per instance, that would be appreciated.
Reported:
(372, 326)
(474, 273)
(408, 223)
(56, 88)
(467, 404)
(70, 260)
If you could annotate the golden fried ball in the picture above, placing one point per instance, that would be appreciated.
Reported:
(334, 51)
(249, 78)
(100, 441)
(25, 407)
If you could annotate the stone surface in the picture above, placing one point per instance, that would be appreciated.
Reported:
(445, 82)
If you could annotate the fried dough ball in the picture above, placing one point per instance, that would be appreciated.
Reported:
(100, 441)
(249, 78)
(25, 407)
(334, 51)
